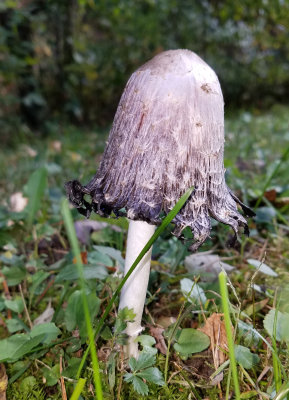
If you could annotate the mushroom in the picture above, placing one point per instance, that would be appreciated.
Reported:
(167, 136)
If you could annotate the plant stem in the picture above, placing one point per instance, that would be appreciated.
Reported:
(78, 389)
(225, 304)
(276, 369)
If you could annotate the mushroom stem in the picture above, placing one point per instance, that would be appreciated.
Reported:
(133, 293)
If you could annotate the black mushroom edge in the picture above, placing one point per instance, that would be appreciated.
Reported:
(76, 192)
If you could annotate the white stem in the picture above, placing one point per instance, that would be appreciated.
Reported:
(133, 294)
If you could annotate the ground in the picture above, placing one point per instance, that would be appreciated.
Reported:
(39, 277)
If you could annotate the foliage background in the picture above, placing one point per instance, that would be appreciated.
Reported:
(69, 60)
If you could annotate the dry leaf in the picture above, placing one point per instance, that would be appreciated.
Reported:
(46, 316)
(3, 382)
(165, 322)
(270, 195)
(207, 265)
(282, 201)
(84, 229)
(256, 307)
(215, 329)
(83, 255)
(103, 353)
(157, 333)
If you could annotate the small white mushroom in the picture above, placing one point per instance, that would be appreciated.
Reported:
(167, 135)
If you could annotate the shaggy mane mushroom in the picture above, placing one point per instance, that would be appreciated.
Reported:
(167, 135)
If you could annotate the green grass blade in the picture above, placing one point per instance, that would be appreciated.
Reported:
(78, 389)
(278, 213)
(171, 215)
(35, 189)
(225, 304)
(282, 394)
(276, 369)
(68, 221)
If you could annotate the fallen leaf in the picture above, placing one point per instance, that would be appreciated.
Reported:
(83, 255)
(157, 333)
(103, 353)
(46, 316)
(207, 265)
(270, 195)
(3, 382)
(262, 267)
(215, 329)
(18, 202)
(282, 201)
(85, 228)
(256, 307)
(165, 322)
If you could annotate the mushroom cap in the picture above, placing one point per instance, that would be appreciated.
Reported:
(167, 135)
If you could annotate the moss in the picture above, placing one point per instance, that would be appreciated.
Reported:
(27, 389)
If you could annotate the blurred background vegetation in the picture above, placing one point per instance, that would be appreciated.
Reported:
(68, 61)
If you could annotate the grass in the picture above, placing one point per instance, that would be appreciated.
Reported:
(41, 259)
(228, 326)
(68, 221)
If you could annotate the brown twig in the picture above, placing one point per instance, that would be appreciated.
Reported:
(263, 373)
(48, 286)
(63, 390)
(43, 364)
(25, 307)
(172, 376)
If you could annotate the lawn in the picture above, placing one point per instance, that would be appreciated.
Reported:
(41, 284)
